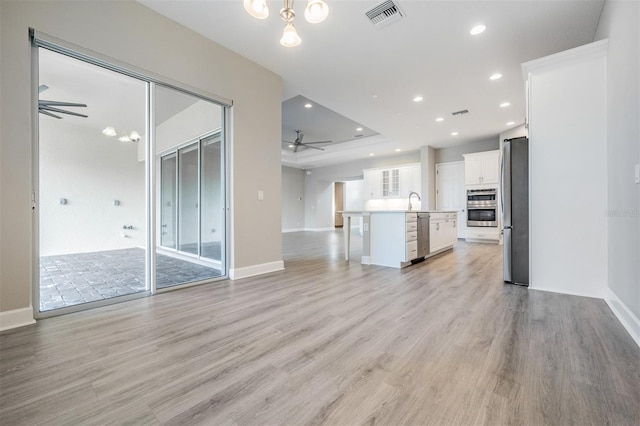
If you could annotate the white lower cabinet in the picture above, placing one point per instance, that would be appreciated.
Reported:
(394, 236)
(488, 234)
(443, 231)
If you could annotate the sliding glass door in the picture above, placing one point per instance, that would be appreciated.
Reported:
(122, 211)
(192, 189)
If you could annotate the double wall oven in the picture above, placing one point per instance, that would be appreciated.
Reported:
(482, 207)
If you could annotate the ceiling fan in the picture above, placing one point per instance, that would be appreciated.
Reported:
(298, 142)
(49, 107)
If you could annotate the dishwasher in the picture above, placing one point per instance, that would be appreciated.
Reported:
(423, 235)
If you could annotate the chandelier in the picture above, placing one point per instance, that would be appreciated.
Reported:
(316, 11)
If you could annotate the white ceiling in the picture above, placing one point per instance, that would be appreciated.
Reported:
(371, 76)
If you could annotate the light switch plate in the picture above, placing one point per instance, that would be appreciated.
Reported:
(260, 195)
(637, 173)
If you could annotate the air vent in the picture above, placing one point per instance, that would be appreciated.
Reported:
(384, 14)
(461, 112)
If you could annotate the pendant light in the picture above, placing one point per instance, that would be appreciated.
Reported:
(290, 37)
(315, 12)
(257, 8)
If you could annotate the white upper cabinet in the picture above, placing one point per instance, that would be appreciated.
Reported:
(482, 168)
(391, 182)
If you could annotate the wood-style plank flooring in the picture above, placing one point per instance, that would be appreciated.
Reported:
(331, 342)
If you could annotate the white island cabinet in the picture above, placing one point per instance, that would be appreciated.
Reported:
(392, 237)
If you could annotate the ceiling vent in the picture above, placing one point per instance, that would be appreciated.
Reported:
(461, 112)
(384, 14)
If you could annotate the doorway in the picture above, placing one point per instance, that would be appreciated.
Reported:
(338, 202)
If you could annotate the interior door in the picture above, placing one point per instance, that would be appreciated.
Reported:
(451, 193)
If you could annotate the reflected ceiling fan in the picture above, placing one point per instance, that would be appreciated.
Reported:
(298, 142)
(49, 107)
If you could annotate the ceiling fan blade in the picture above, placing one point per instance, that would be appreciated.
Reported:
(310, 146)
(311, 143)
(41, 111)
(57, 103)
(61, 111)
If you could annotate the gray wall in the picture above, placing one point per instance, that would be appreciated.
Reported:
(619, 23)
(454, 153)
(293, 198)
(131, 33)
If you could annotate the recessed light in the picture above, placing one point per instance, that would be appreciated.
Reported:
(371, 154)
(495, 76)
(134, 136)
(359, 129)
(511, 123)
(398, 150)
(375, 96)
(418, 98)
(439, 119)
(454, 133)
(478, 29)
(124, 138)
(505, 104)
(109, 131)
(290, 146)
(308, 105)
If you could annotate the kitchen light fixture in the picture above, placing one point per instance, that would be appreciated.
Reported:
(134, 136)
(454, 133)
(308, 105)
(315, 12)
(478, 29)
(109, 131)
(505, 104)
(439, 119)
(359, 129)
(371, 155)
(418, 99)
(495, 76)
(124, 138)
(511, 123)
(398, 150)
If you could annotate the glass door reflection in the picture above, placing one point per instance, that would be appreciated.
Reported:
(191, 189)
(168, 194)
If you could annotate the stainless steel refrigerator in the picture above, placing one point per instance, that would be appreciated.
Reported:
(515, 210)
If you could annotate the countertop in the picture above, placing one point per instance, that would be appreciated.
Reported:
(395, 211)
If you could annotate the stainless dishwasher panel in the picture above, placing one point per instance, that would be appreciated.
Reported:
(423, 234)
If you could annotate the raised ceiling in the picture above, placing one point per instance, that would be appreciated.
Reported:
(371, 75)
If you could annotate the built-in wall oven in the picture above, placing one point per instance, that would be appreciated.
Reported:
(482, 207)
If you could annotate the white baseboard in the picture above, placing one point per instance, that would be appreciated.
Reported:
(627, 318)
(320, 229)
(284, 231)
(572, 293)
(16, 318)
(253, 270)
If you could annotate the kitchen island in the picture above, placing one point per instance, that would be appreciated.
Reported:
(398, 238)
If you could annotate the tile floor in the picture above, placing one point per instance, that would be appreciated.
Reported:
(67, 280)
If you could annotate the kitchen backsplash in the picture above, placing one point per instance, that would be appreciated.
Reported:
(392, 204)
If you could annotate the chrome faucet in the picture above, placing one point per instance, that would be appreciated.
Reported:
(410, 194)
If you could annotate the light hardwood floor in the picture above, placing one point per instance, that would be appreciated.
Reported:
(331, 342)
